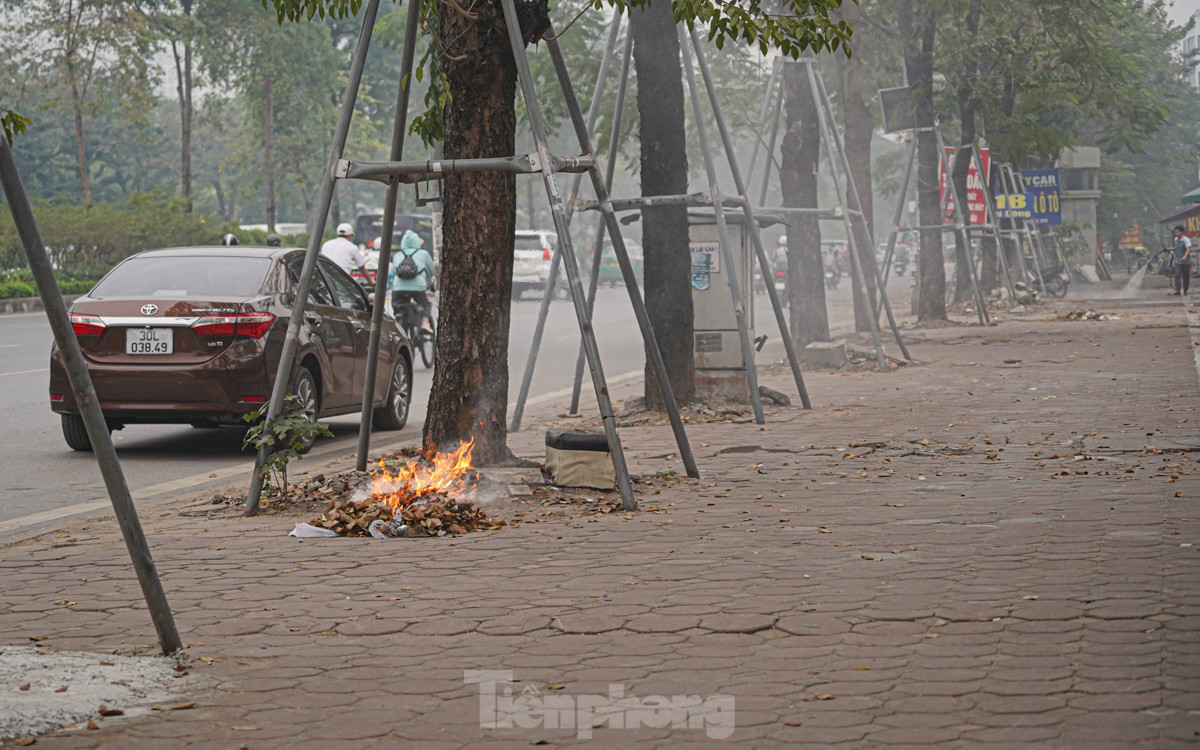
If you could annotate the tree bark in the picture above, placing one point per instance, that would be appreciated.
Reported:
(85, 182)
(809, 319)
(919, 28)
(860, 128)
(269, 146)
(470, 383)
(664, 171)
(965, 92)
(183, 86)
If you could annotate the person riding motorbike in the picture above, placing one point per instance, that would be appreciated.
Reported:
(411, 273)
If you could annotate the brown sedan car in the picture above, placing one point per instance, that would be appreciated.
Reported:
(194, 335)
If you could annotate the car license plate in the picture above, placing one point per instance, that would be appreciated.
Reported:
(149, 341)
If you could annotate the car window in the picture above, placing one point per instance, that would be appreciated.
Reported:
(185, 276)
(318, 291)
(349, 293)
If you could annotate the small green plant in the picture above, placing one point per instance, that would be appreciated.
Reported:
(286, 437)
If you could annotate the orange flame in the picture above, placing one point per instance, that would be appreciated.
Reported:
(441, 473)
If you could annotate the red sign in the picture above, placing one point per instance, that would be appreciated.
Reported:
(1132, 236)
(976, 200)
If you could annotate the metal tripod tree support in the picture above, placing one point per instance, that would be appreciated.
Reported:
(849, 202)
(89, 404)
(543, 162)
(712, 198)
(959, 228)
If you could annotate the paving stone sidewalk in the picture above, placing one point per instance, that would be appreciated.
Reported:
(996, 548)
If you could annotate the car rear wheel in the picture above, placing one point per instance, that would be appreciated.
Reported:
(305, 388)
(393, 415)
(75, 433)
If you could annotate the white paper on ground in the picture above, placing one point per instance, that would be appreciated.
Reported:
(308, 531)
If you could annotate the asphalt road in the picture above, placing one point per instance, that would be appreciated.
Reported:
(45, 480)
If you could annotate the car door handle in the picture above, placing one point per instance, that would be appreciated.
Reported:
(359, 326)
(312, 318)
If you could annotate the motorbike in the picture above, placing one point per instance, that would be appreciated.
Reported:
(900, 260)
(1055, 277)
(833, 274)
(781, 282)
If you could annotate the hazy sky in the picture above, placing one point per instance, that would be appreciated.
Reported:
(1183, 10)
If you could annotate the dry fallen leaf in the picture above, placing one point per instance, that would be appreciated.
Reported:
(92, 724)
(183, 706)
(106, 711)
(824, 530)
(24, 741)
(24, 687)
(62, 689)
(245, 729)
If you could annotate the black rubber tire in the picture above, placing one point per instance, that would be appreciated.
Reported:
(1057, 287)
(393, 415)
(305, 386)
(75, 433)
(426, 346)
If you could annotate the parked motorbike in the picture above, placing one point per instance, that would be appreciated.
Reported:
(1055, 277)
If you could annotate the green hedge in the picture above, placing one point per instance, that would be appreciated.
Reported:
(88, 239)
(18, 282)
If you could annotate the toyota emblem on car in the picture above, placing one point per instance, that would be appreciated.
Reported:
(149, 309)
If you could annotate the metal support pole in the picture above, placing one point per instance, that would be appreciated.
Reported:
(538, 126)
(899, 215)
(962, 214)
(762, 116)
(539, 328)
(287, 356)
(739, 309)
(1014, 186)
(856, 208)
(653, 353)
(858, 278)
(389, 226)
(614, 148)
(993, 223)
(775, 120)
(751, 226)
(89, 404)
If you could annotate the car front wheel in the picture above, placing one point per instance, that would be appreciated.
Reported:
(393, 415)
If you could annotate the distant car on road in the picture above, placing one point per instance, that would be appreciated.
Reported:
(193, 336)
(532, 249)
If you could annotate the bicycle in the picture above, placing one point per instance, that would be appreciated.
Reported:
(408, 315)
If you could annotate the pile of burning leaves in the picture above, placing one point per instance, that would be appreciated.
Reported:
(421, 498)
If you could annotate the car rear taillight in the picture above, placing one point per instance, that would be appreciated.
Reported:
(780, 274)
(57, 398)
(254, 399)
(87, 325)
(251, 325)
(545, 253)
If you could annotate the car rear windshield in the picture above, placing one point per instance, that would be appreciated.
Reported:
(185, 276)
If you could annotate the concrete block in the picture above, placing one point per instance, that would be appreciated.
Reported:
(825, 355)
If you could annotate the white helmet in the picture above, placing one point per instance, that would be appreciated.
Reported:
(345, 230)
(783, 239)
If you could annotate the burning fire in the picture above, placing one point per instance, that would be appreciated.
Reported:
(437, 473)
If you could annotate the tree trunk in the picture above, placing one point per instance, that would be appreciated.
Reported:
(183, 86)
(860, 128)
(470, 383)
(269, 146)
(85, 182)
(664, 171)
(918, 61)
(964, 157)
(809, 319)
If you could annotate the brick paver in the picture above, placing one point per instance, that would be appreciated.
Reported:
(945, 554)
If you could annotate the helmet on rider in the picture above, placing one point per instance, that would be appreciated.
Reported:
(229, 239)
(273, 240)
